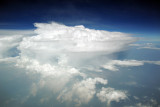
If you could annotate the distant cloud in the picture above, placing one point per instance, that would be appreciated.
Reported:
(7, 43)
(130, 83)
(149, 103)
(136, 98)
(146, 46)
(114, 64)
(154, 48)
(110, 94)
(9, 32)
(82, 92)
(10, 40)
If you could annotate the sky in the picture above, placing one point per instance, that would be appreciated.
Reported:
(79, 53)
(133, 16)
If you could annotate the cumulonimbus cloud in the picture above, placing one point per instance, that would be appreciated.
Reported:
(55, 50)
(58, 53)
(77, 43)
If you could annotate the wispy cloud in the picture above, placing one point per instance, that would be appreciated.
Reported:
(146, 46)
(114, 64)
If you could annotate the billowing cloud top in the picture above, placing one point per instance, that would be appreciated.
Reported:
(55, 40)
(58, 37)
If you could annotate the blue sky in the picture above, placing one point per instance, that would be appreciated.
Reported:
(132, 16)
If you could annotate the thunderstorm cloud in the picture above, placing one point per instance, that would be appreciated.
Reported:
(58, 53)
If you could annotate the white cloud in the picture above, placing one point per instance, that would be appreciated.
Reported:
(153, 62)
(7, 43)
(110, 94)
(9, 59)
(47, 69)
(57, 48)
(55, 77)
(10, 39)
(140, 105)
(146, 46)
(82, 92)
(77, 43)
(135, 45)
(81, 39)
(56, 51)
(154, 48)
(150, 103)
(114, 64)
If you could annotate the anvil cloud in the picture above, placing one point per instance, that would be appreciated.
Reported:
(57, 52)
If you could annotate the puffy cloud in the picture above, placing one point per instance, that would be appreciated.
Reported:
(110, 94)
(55, 77)
(46, 69)
(80, 39)
(76, 42)
(113, 64)
(8, 45)
(10, 39)
(82, 92)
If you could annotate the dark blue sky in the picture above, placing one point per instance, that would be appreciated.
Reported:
(132, 16)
